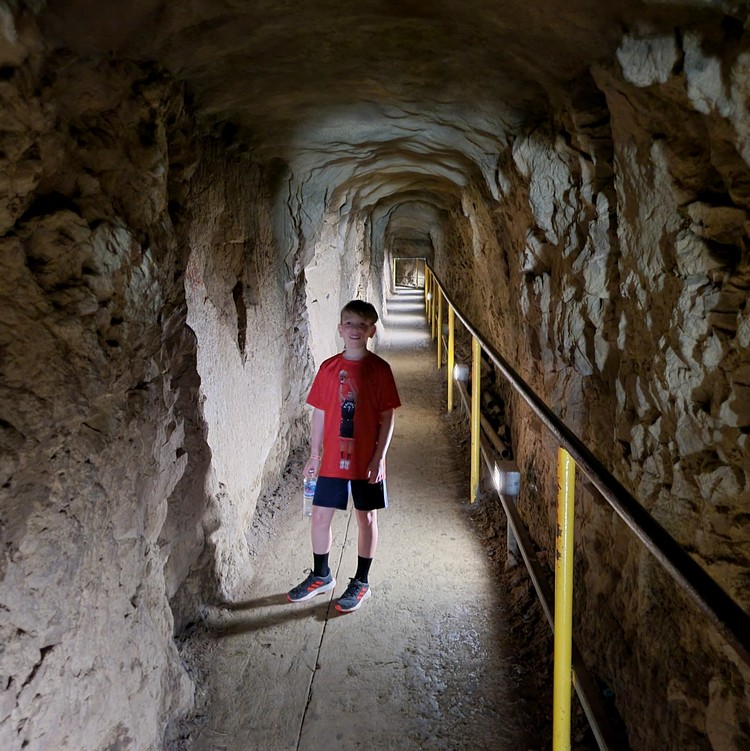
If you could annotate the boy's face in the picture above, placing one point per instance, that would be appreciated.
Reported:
(355, 331)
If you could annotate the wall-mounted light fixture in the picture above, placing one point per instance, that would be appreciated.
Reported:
(461, 372)
(507, 478)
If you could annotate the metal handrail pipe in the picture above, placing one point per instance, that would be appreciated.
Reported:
(732, 622)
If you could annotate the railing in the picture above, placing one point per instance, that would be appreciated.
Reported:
(727, 617)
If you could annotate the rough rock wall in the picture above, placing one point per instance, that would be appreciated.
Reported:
(133, 447)
(247, 309)
(92, 429)
(615, 275)
(683, 323)
(340, 270)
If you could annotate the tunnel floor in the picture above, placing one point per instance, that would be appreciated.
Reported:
(425, 663)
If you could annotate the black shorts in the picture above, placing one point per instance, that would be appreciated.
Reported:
(333, 492)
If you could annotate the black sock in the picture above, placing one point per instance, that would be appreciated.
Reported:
(363, 568)
(320, 565)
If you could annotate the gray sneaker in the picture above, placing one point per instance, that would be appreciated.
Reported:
(354, 595)
(313, 585)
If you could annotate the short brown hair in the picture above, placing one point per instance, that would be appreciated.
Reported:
(363, 309)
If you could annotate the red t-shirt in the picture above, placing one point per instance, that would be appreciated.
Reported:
(352, 393)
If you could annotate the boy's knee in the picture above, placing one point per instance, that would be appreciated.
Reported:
(367, 518)
(322, 516)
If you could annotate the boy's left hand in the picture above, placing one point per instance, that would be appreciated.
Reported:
(376, 470)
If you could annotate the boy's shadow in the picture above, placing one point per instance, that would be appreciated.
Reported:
(258, 602)
(320, 611)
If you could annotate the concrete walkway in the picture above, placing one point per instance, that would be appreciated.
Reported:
(421, 665)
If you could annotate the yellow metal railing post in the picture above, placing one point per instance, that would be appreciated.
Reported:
(433, 307)
(563, 674)
(451, 353)
(439, 327)
(431, 300)
(476, 385)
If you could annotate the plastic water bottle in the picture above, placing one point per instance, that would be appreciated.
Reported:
(307, 495)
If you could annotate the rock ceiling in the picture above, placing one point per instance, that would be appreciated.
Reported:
(376, 97)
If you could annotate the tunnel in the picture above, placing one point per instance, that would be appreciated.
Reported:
(192, 191)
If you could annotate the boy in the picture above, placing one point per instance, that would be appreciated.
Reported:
(353, 398)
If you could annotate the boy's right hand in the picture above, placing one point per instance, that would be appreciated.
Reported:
(312, 467)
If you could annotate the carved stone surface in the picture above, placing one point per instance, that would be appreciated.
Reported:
(631, 304)
(92, 426)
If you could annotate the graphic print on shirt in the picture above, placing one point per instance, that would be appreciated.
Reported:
(348, 401)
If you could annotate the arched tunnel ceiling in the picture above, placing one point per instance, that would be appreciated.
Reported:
(376, 96)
